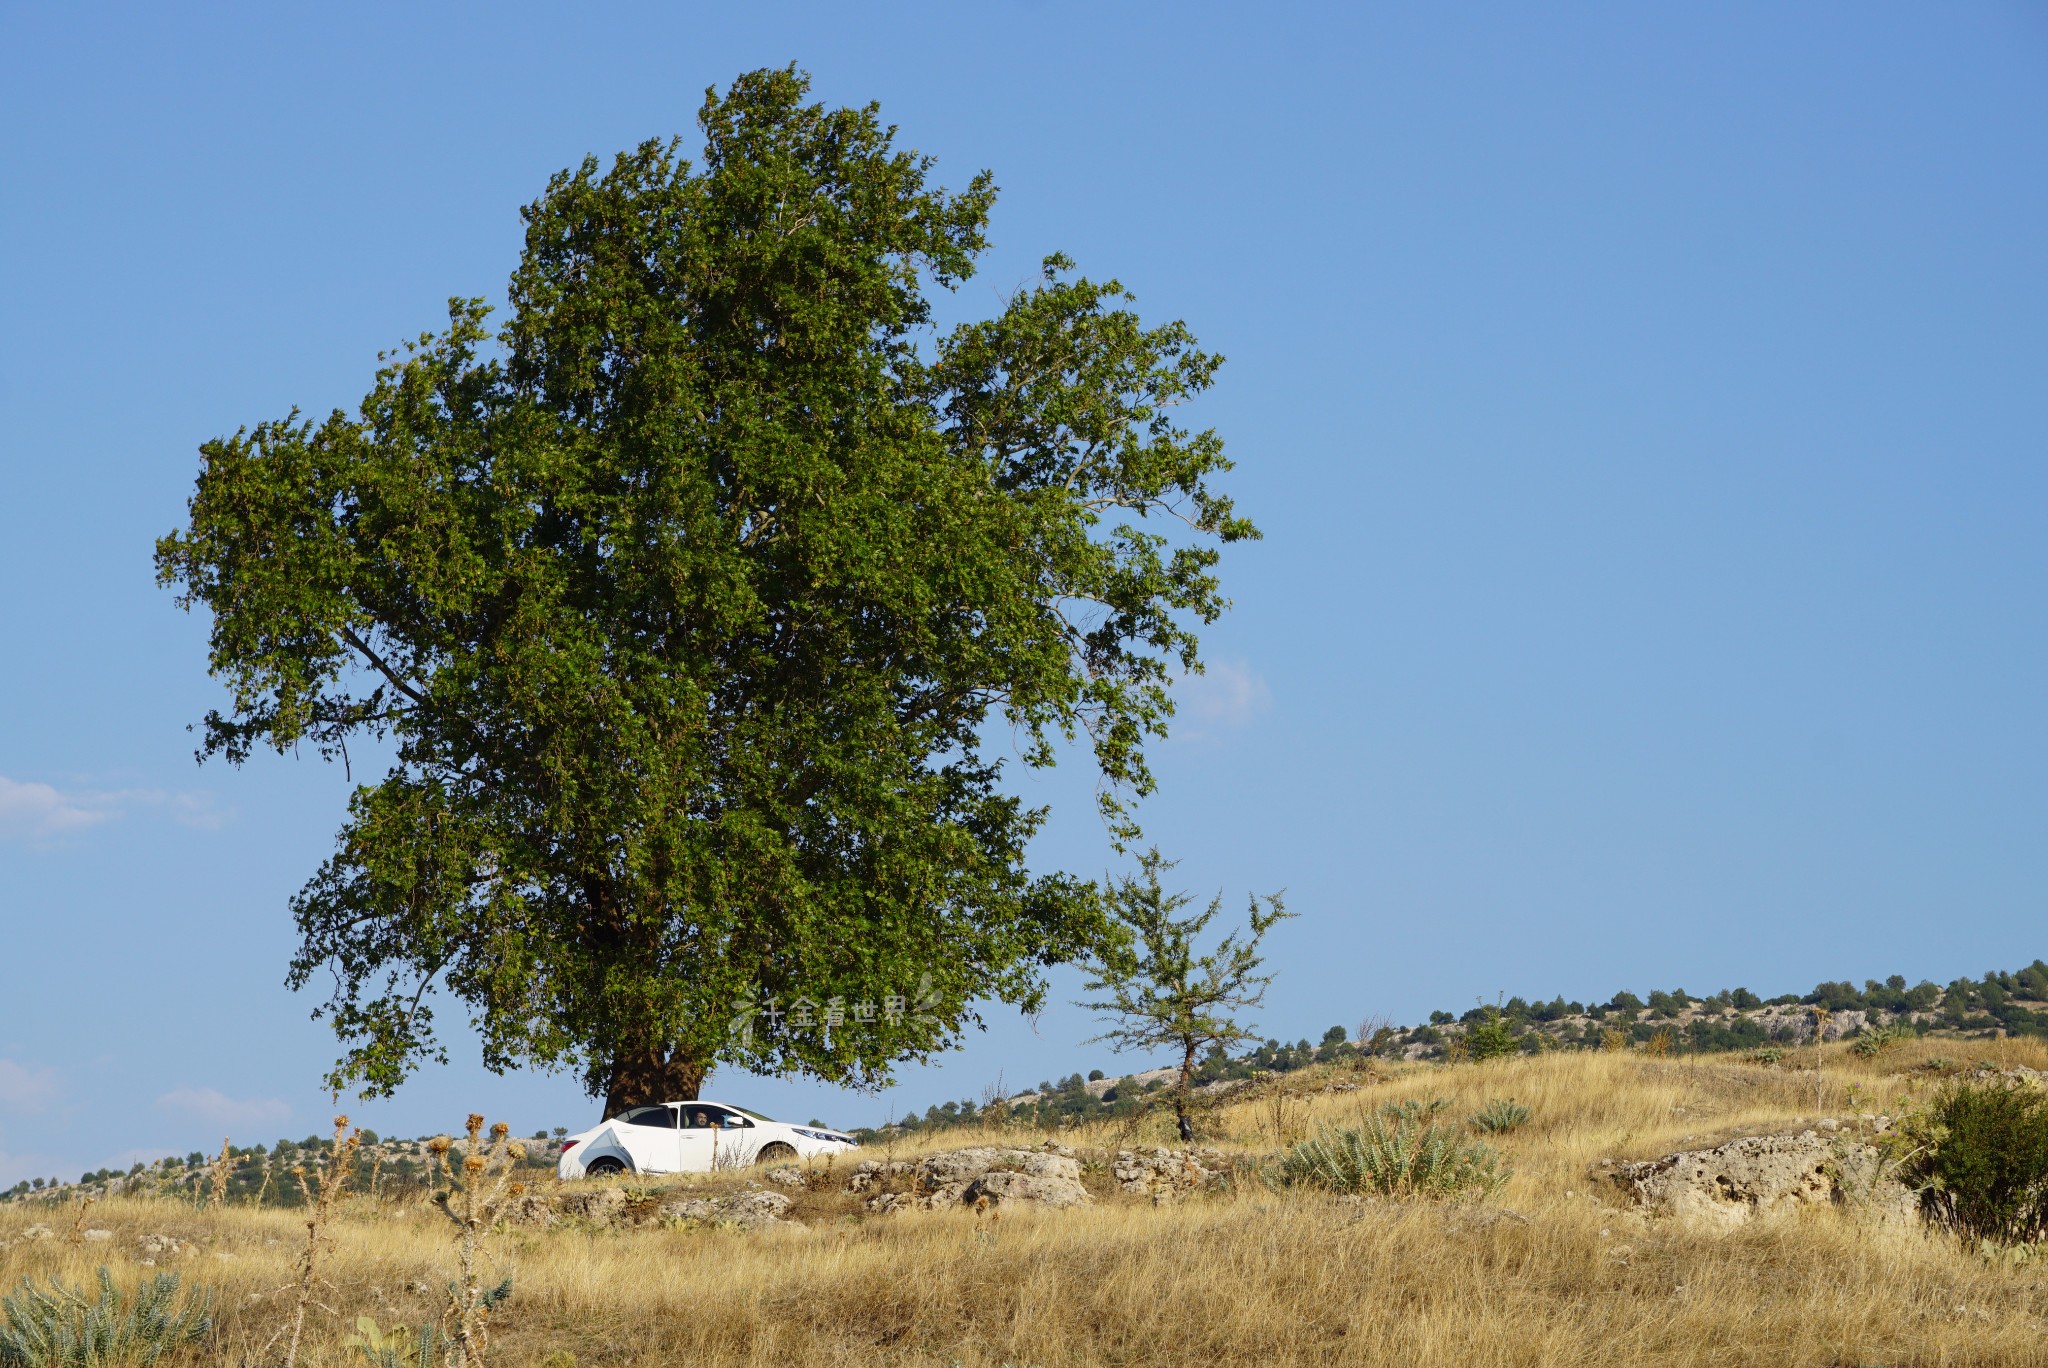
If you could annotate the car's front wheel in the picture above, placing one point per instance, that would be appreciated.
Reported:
(603, 1168)
(775, 1153)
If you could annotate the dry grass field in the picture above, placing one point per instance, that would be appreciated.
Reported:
(1551, 1271)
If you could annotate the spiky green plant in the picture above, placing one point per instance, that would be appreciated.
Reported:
(63, 1328)
(1398, 1157)
(1414, 1109)
(1882, 1039)
(398, 1347)
(1500, 1116)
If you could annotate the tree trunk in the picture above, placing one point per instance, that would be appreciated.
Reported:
(1184, 1096)
(641, 1077)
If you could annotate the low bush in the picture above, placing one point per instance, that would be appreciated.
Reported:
(1490, 1038)
(1500, 1116)
(1402, 1156)
(1881, 1040)
(64, 1328)
(1978, 1154)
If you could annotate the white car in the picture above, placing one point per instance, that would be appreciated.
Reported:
(692, 1137)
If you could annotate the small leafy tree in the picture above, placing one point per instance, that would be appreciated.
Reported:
(1490, 1037)
(1161, 992)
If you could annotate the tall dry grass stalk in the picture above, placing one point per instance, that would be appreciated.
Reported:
(328, 1184)
(1820, 1035)
(1282, 1116)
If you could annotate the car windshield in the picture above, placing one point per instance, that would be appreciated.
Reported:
(744, 1111)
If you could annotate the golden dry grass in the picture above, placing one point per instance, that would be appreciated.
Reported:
(1550, 1273)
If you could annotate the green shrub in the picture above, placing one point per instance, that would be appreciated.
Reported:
(62, 1328)
(1882, 1040)
(1490, 1038)
(1978, 1154)
(1500, 1116)
(1395, 1157)
(1768, 1054)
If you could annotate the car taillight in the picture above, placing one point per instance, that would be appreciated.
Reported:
(568, 1145)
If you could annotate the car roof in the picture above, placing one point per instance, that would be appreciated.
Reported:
(707, 1102)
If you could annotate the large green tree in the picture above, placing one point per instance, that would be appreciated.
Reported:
(685, 608)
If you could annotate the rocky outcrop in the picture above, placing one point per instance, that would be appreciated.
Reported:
(1049, 1177)
(1761, 1174)
(749, 1208)
(598, 1205)
(1167, 1175)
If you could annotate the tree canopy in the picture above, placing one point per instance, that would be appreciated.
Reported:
(684, 605)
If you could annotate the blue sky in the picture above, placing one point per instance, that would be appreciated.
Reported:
(1645, 410)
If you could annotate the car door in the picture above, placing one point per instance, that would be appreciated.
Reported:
(733, 1141)
(648, 1134)
(696, 1140)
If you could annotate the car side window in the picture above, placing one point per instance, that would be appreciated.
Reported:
(724, 1118)
(663, 1117)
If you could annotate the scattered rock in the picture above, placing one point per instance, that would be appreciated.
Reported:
(37, 1232)
(1733, 1182)
(749, 1209)
(534, 1209)
(97, 1236)
(598, 1205)
(1166, 1175)
(1049, 1176)
(157, 1246)
(789, 1175)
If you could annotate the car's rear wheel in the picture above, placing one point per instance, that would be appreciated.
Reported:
(603, 1167)
(775, 1153)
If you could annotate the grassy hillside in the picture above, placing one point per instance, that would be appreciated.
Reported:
(1665, 1022)
(1552, 1270)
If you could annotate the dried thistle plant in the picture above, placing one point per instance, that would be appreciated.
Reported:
(326, 1188)
(479, 1187)
(77, 1233)
(437, 1164)
(217, 1174)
